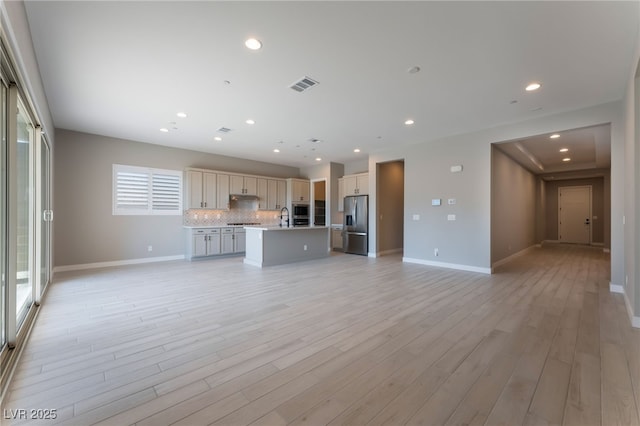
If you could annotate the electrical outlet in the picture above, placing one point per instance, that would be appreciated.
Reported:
(305, 247)
(149, 248)
(435, 252)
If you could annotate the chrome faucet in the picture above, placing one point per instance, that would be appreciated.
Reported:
(282, 210)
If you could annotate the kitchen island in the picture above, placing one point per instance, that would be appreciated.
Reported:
(275, 245)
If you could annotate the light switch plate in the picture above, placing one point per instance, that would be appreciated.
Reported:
(436, 202)
(451, 201)
(451, 217)
(416, 217)
(456, 169)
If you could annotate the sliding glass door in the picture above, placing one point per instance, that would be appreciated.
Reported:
(3, 216)
(25, 208)
(46, 215)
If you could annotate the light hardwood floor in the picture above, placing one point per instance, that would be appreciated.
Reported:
(344, 340)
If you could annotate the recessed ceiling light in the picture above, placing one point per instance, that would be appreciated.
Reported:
(409, 122)
(164, 130)
(533, 86)
(318, 159)
(566, 159)
(554, 136)
(253, 43)
(276, 150)
(217, 138)
(182, 114)
(250, 121)
(564, 150)
(356, 150)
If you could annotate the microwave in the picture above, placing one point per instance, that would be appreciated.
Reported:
(300, 211)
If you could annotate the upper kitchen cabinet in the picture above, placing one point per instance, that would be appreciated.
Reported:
(223, 191)
(298, 191)
(276, 194)
(201, 190)
(356, 184)
(340, 194)
(246, 185)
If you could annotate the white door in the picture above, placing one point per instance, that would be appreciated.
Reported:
(574, 215)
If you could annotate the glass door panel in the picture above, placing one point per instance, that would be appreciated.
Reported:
(24, 181)
(3, 214)
(45, 215)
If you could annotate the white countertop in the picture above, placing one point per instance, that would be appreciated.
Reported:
(218, 226)
(283, 228)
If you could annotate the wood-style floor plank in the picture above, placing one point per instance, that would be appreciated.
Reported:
(346, 340)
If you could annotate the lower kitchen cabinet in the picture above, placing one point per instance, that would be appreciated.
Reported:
(204, 242)
(239, 240)
(227, 241)
(336, 238)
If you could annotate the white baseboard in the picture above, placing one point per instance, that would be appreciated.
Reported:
(616, 288)
(96, 265)
(448, 265)
(513, 256)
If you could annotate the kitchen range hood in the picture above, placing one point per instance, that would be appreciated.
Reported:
(243, 197)
(243, 202)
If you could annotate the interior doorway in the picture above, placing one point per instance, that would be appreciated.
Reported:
(319, 206)
(574, 214)
(390, 207)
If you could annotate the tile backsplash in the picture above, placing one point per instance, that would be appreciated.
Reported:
(200, 217)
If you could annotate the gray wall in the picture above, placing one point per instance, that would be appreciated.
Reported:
(331, 172)
(467, 241)
(514, 192)
(86, 230)
(357, 166)
(630, 281)
(390, 206)
(598, 207)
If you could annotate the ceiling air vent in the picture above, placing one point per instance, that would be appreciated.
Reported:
(224, 129)
(303, 84)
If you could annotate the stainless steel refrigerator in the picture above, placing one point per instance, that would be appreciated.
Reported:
(355, 232)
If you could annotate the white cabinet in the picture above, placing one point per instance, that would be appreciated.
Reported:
(223, 192)
(246, 185)
(203, 242)
(341, 194)
(201, 192)
(299, 190)
(263, 194)
(356, 184)
(276, 194)
(226, 245)
(272, 194)
(336, 237)
(239, 240)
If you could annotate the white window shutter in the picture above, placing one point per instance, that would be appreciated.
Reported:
(145, 191)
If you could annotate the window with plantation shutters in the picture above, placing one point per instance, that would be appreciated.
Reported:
(145, 191)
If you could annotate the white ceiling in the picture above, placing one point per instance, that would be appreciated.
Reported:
(124, 69)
